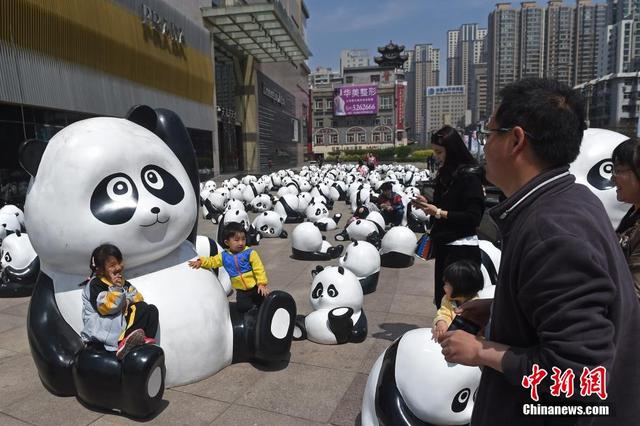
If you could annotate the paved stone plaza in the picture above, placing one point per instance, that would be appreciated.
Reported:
(318, 385)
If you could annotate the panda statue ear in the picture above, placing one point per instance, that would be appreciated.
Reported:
(144, 116)
(30, 154)
(316, 271)
(340, 270)
(17, 232)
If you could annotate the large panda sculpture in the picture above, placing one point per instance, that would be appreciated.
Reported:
(412, 384)
(134, 185)
(362, 258)
(593, 168)
(19, 266)
(337, 317)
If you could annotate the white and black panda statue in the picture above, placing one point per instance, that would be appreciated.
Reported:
(337, 317)
(593, 168)
(214, 205)
(19, 266)
(361, 230)
(307, 243)
(398, 248)
(287, 207)
(269, 225)
(317, 212)
(362, 258)
(135, 185)
(9, 223)
(261, 203)
(412, 384)
(14, 210)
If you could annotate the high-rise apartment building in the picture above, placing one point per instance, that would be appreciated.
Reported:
(559, 41)
(427, 73)
(590, 23)
(503, 51)
(531, 50)
(352, 58)
(478, 95)
(452, 52)
(620, 38)
(445, 105)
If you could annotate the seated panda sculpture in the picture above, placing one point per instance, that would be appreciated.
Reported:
(214, 205)
(269, 225)
(135, 185)
(317, 212)
(361, 230)
(398, 247)
(337, 317)
(412, 384)
(9, 223)
(261, 203)
(11, 209)
(19, 266)
(362, 258)
(307, 243)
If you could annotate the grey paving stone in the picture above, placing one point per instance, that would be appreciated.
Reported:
(411, 305)
(350, 354)
(42, 408)
(19, 309)
(348, 411)
(19, 379)
(378, 301)
(227, 385)
(246, 416)
(304, 391)
(7, 420)
(12, 301)
(378, 346)
(10, 321)
(182, 409)
(15, 340)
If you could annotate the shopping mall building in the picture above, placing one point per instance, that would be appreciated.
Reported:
(233, 70)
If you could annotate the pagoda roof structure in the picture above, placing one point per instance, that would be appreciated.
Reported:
(391, 55)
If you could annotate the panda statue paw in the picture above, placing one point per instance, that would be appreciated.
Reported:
(340, 323)
(299, 330)
(264, 333)
(335, 252)
(283, 234)
(342, 236)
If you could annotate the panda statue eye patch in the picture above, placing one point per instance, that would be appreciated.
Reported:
(162, 184)
(115, 199)
(317, 292)
(331, 291)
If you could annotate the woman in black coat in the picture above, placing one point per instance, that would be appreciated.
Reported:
(457, 206)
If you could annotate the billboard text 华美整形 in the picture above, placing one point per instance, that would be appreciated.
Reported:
(355, 100)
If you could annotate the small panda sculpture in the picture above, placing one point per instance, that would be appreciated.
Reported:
(214, 205)
(337, 317)
(206, 247)
(361, 230)
(318, 213)
(411, 383)
(261, 203)
(9, 224)
(398, 248)
(363, 259)
(19, 266)
(135, 186)
(14, 210)
(307, 243)
(287, 206)
(269, 225)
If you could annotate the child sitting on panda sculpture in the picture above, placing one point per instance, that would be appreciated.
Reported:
(243, 265)
(462, 282)
(113, 311)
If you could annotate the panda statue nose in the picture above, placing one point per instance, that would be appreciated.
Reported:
(155, 210)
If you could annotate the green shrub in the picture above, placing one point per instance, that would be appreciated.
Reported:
(421, 155)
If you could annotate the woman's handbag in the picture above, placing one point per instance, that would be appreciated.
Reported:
(424, 248)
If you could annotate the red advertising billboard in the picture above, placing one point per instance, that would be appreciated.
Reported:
(355, 100)
(401, 87)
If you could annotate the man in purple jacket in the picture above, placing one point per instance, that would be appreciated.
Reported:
(564, 328)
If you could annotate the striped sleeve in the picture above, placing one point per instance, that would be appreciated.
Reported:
(211, 262)
(258, 268)
(111, 301)
(133, 295)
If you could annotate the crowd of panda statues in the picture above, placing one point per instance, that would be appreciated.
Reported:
(137, 199)
(413, 367)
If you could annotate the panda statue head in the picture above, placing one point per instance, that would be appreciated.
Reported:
(306, 238)
(261, 203)
(361, 258)
(14, 210)
(239, 216)
(335, 287)
(9, 224)
(135, 193)
(316, 210)
(18, 259)
(593, 168)
(269, 225)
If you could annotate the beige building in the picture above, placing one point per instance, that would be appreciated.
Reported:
(445, 105)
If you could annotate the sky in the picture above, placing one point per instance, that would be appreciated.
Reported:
(334, 25)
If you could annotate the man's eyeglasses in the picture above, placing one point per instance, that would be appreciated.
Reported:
(488, 132)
